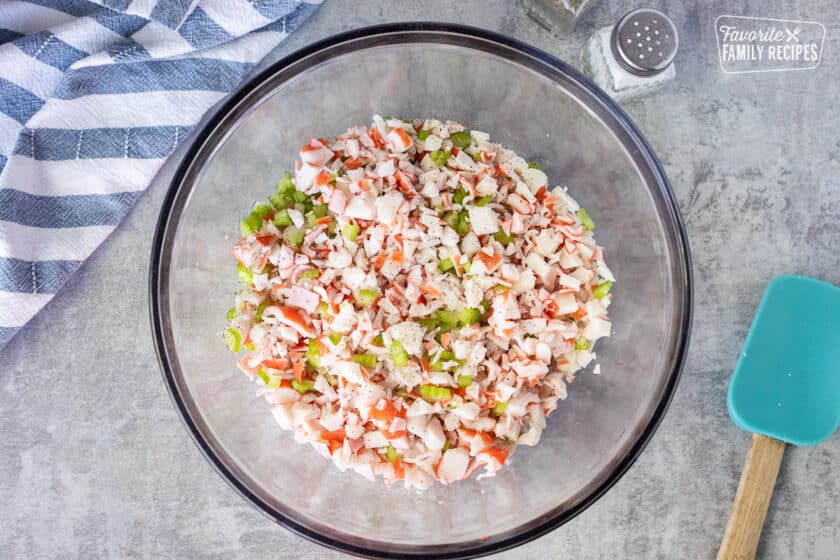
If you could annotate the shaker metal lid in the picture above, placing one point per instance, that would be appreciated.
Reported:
(645, 42)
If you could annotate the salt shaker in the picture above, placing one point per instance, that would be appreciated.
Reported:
(633, 58)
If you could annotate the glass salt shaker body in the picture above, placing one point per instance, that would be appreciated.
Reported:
(633, 58)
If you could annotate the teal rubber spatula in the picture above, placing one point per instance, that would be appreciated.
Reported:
(785, 389)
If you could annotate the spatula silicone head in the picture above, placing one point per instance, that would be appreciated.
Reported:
(786, 383)
(785, 389)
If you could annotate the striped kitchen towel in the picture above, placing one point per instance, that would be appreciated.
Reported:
(93, 97)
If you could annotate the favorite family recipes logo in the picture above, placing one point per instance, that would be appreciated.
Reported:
(750, 44)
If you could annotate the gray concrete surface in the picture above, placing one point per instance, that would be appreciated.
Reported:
(94, 462)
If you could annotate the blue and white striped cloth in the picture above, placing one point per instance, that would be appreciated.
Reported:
(93, 98)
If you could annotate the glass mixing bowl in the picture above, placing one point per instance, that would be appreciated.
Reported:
(532, 103)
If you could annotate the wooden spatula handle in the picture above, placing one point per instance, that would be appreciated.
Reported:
(754, 492)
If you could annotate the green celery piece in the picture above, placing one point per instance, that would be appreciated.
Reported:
(440, 157)
(293, 236)
(244, 274)
(435, 393)
(602, 289)
(503, 238)
(350, 231)
(260, 308)
(585, 220)
(282, 218)
(313, 354)
(465, 380)
(500, 408)
(233, 339)
(469, 316)
(366, 297)
(462, 139)
(398, 354)
(251, 224)
(303, 386)
(423, 134)
(366, 360)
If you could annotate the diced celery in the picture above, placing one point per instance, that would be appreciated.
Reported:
(231, 314)
(366, 297)
(484, 200)
(465, 380)
(447, 319)
(469, 316)
(434, 393)
(602, 289)
(461, 139)
(313, 354)
(300, 197)
(476, 156)
(244, 274)
(459, 195)
(500, 408)
(279, 201)
(440, 157)
(320, 210)
(303, 386)
(585, 220)
(282, 218)
(532, 165)
(250, 225)
(581, 344)
(503, 238)
(233, 339)
(335, 338)
(350, 231)
(391, 453)
(366, 360)
(260, 308)
(264, 376)
(446, 265)
(311, 273)
(423, 134)
(293, 236)
(262, 209)
(274, 382)
(377, 340)
(285, 185)
(398, 354)
(250, 347)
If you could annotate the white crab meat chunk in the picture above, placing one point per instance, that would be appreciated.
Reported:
(566, 303)
(361, 207)
(387, 206)
(315, 155)
(303, 298)
(597, 328)
(410, 334)
(453, 465)
(351, 371)
(306, 175)
(483, 220)
(399, 140)
(547, 241)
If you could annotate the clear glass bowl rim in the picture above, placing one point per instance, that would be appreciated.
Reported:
(225, 118)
